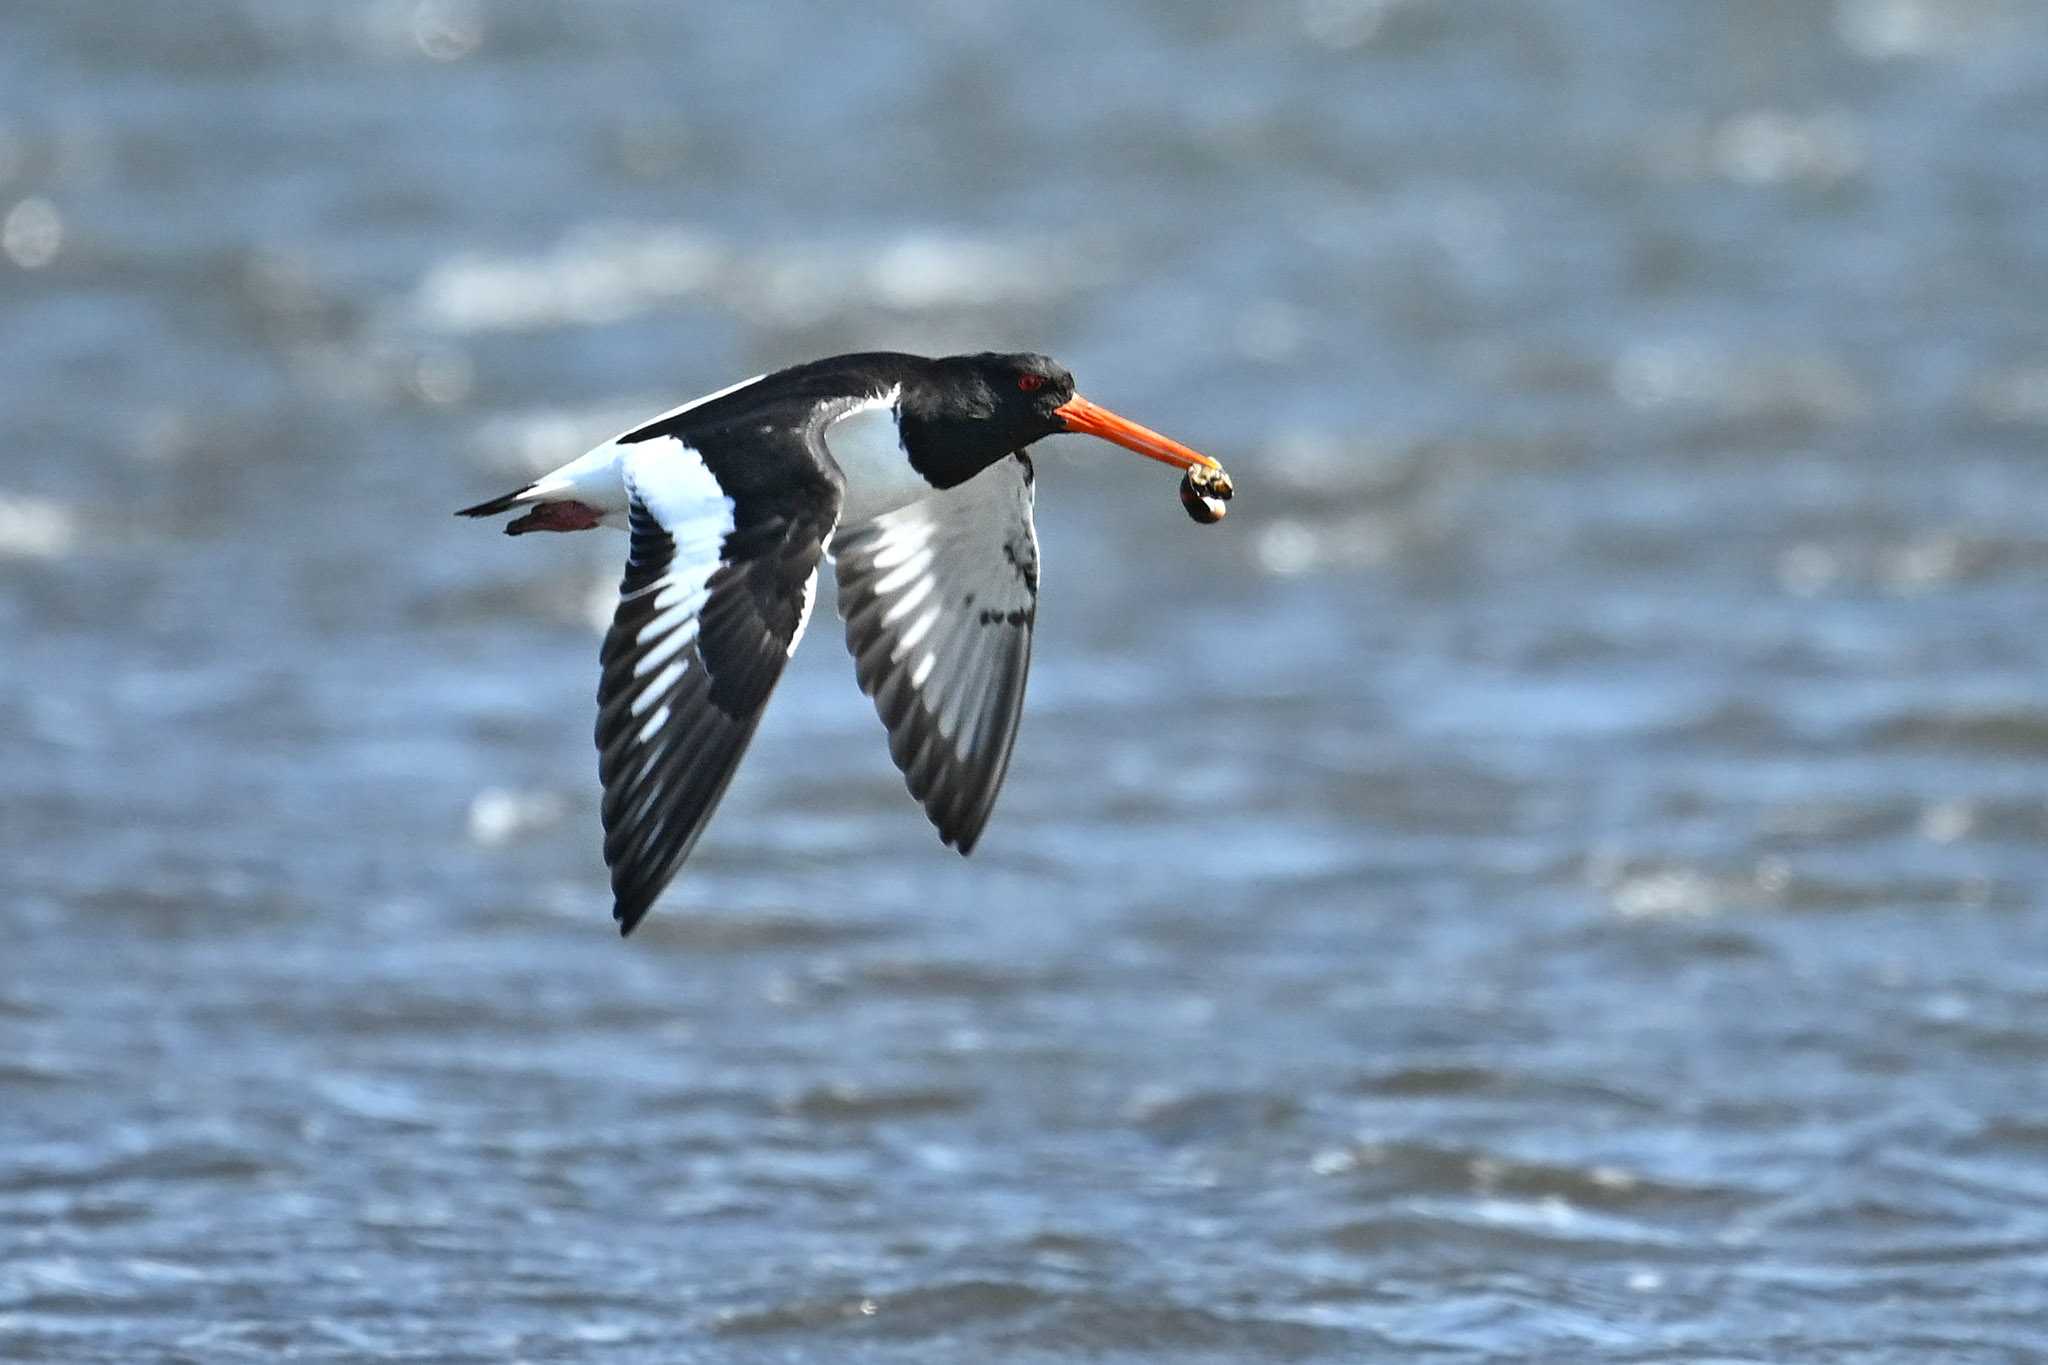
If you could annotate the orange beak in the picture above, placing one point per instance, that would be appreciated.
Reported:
(1083, 416)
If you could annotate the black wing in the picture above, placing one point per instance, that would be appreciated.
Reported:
(716, 594)
(940, 598)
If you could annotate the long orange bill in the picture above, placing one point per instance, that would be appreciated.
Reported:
(1083, 416)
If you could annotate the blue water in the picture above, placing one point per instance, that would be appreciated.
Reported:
(1556, 875)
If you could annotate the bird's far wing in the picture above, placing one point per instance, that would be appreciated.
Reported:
(939, 600)
(715, 597)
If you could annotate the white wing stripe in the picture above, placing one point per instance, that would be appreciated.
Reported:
(898, 545)
(903, 573)
(679, 596)
(652, 692)
(664, 651)
(803, 616)
(909, 639)
(907, 603)
(680, 492)
(654, 723)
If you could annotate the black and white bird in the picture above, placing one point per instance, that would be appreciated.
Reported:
(909, 474)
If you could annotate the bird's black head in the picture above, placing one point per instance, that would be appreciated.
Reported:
(961, 414)
(968, 411)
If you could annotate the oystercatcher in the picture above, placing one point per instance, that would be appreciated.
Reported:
(909, 473)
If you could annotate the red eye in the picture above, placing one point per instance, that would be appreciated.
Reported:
(1031, 383)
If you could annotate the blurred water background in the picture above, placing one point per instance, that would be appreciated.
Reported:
(1557, 875)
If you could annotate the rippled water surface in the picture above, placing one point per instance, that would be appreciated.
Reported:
(1557, 875)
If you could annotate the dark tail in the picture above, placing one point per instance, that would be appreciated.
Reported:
(494, 506)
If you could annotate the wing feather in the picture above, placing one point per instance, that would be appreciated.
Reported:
(939, 600)
(712, 603)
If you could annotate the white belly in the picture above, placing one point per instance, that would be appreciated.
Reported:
(868, 449)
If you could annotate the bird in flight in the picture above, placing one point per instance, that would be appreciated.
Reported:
(909, 474)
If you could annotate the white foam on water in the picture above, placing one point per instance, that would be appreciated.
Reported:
(35, 528)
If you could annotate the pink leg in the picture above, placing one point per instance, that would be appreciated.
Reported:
(555, 516)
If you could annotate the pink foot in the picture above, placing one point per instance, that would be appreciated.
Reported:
(555, 516)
